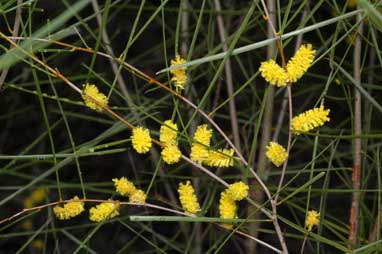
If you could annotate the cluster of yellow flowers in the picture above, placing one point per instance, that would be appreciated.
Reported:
(103, 211)
(309, 120)
(201, 153)
(95, 95)
(296, 67)
(179, 76)
(71, 209)
(127, 188)
(187, 198)
(35, 197)
(227, 205)
(168, 136)
(312, 219)
(141, 139)
(276, 153)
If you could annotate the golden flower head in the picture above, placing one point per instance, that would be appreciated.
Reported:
(37, 244)
(276, 153)
(104, 211)
(309, 120)
(203, 135)
(227, 207)
(124, 186)
(199, 153)
(220, 158)
(312, 219)
(188, 198)
(238, 191)
(141, 139)
(138, 196)
(92, 91)
(71, 209)
(300, 62)
(168, 133)
(179, 75)
(171, 154)
(273, 73)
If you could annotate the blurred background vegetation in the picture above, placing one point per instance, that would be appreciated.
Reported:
(50, 141)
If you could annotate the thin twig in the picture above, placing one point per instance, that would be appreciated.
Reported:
(15, 32)
(229, 79)
(356, 176)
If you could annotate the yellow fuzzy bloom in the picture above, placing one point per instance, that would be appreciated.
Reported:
(141, 139)
(227, 207)
(37, 244)
(309, 120)
(138, 196)
(273, 73)
(276, 153)
(221, 158)
(124, 186)
(312, 219)
(92, 91)
(71, 209)
(104, 211)
(203, 134)
(171, 154)
(188, 198)
(300, 62)
(168, 133)
(238, 191)
(199, 153)
(179, 76)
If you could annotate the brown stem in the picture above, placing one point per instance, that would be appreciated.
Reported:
(356, 176)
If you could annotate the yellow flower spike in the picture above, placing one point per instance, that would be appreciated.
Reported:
(309, 120)
(227, 207)
(276, 153)
(124, 186)
(141, 139)
(221, 158)
(171, 154)
(92, 91)
(199, 153)
(187, 198)
(71, 209)
(238, 191)
(104, 211)
(203, 134)
(312, 219)
(179, 76)
(300, 62)
(138, 196)
(168, 133)
(273, 73)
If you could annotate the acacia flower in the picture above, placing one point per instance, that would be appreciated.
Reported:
(138, 196)
(276, 153)
(227, 207)
(199, 153)
(220, 158)
(309, 120)
(273, 73)
(238, 191)
(300, 62)
(203, 135)
(202, 140)
(124, 186)
(141, 139)
(188, 198)
(104, 211)
(312, 219)
(168, 133)
(92, 91)
(71, 209)
(179, 76)
(171, 154)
